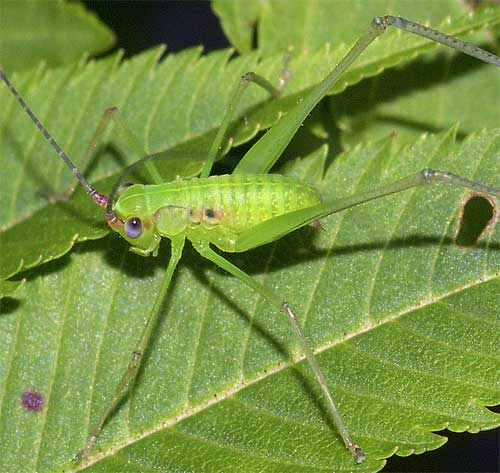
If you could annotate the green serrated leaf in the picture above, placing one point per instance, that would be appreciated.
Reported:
(404, 322)
(238, 20)
(164, 113)
(427, 95)
(302, 25)
(34, 31)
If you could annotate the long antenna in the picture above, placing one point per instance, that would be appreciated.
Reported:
(97, 197)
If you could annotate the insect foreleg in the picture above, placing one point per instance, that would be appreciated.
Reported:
(136, 357)
(235, 99)
(207, 252)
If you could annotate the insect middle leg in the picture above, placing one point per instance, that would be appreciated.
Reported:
(207, 252)
(235, 99)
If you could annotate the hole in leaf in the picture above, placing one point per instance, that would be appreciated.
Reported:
(479, 213)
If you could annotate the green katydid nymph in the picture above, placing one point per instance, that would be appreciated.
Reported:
(246, 209)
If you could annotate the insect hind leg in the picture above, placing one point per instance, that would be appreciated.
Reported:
(204, 249)
(245, 80)
(438, 37)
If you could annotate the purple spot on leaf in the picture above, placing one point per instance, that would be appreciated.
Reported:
(32, 400)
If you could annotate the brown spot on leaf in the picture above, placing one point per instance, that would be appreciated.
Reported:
(32, 400)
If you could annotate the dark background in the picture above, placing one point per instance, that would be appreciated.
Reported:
(139, 25)
(179, 24)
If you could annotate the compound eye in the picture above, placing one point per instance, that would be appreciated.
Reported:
(133, 227)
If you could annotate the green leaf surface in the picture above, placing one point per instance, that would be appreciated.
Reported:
(405, 324)
(404, 321)
(165, 114)
(302, 25)
(35, 30)
(422, 96)
(238, 21)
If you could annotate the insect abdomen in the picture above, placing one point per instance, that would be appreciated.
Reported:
(242, 201)
(235, 202)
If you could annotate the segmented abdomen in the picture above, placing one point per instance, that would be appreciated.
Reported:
(235, 202)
